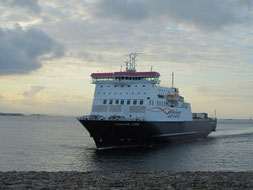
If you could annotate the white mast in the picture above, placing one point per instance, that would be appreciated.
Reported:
(130, 64)
(172, 75)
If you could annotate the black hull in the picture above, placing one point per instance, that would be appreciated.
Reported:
(114, 134)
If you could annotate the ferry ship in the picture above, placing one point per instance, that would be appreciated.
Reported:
(131, 109)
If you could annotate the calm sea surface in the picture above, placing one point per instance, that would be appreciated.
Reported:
(53, 143)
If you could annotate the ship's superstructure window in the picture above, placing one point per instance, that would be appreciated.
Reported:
(143, 85)
(116, 102)
(110, 101)
(121, 102)
(128, 102)
(101, 86)
(129, 85)
(104, 101)
(141, 102)
(134, 102)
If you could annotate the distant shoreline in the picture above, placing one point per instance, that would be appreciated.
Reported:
(11, 114)
(19, 114)
(126, 180)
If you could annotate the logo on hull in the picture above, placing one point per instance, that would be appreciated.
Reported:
(169, 112)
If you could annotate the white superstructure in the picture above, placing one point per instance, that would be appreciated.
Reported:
(132, 95)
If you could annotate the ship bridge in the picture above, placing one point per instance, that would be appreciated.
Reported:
(128, 77)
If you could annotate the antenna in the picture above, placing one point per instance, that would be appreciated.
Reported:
(172, 75)
(130, 64)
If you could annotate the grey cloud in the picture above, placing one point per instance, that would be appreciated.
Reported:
(87, 56)
(29, 5)
(204, 14)
(21, 50)
(33, 91)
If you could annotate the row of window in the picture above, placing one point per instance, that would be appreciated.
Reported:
(121, 93)
(133, 102)
(124, 102)
(101, 86)
(158, 103)
(125, 78)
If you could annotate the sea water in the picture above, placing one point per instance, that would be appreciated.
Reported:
(60, 143)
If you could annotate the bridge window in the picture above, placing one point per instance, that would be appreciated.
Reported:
(121, 102)
(134, 102)
(110, 101)
(141, 102)
(128, 102)
(104, 101)
(116, 102)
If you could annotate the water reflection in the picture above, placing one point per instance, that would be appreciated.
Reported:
(174, 157)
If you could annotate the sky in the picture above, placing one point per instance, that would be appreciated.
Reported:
(48, 49)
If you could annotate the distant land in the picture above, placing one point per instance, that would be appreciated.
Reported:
(19, 114)
(11, 114)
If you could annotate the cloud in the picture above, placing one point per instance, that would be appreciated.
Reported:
(33, 91)
(21, 50)
(204, 14)
(87, 56)
(28, 5)
(1, 97)
(234, 91)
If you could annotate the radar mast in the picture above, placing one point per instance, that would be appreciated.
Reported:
(130, 64)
